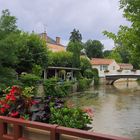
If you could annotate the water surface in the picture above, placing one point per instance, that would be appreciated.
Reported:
(116, 108)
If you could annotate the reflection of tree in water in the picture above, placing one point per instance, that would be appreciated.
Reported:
(85, 99)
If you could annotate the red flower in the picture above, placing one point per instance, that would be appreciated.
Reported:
(15, 90)
(13, 98)
(34, 102)
(6, 106)
(2, 110)
(10, 97)
(14, 114)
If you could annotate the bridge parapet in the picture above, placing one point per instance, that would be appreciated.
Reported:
(110, 79)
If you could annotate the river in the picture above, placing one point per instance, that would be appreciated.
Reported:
(116, 108)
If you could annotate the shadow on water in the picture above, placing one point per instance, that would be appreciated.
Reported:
(116, 108)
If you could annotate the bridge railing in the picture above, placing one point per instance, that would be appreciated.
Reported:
(124, 72)
(55, 131)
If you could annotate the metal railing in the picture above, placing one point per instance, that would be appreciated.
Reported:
(55, 130)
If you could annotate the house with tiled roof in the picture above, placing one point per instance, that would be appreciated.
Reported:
(53, 45)
(126, 66)
(105, 66)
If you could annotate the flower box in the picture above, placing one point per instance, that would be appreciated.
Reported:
(106, 71)
(120, 70)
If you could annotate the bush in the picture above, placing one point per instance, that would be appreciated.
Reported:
(29, 79)
(83, 84)
(20, 104)
(96, 76)
(57, 89)
(88, 73)
(72, 117)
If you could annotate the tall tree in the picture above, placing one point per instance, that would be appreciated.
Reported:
(75, 46)
(94, 48)
(106, 53)
(8, 47)
(75, 36)
(128, 37)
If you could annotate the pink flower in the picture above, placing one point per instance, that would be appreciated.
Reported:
(89, 111)
(14, 114)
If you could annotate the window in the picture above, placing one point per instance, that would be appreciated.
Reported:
(113, 67)
(103, 67)
(100, 67)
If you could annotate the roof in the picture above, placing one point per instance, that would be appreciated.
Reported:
(55, 47)
(52, 44)
(50, 40)
(101, 61)
(125, 66)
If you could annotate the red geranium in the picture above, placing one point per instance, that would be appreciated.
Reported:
(14, 114)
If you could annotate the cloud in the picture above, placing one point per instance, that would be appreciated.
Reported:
(91, 17)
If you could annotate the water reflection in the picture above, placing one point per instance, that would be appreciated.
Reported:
(116, 108)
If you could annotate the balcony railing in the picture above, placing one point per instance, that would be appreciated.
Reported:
(55, 131)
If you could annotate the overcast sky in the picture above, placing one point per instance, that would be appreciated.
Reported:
(60, 17)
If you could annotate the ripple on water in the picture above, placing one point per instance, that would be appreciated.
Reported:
(116, 108)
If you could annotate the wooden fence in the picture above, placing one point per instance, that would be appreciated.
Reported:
(56, 131)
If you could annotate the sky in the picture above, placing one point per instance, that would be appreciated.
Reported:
(60, 17)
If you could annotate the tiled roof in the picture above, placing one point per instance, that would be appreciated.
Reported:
(125, 66)
(101, 61)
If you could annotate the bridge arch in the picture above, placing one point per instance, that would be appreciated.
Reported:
(110, 79)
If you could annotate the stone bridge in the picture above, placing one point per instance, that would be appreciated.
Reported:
(110, 79)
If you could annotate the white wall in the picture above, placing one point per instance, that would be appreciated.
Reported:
(110, 68)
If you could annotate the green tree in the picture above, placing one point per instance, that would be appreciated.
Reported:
(75, 36)
(115, 55)
(32, 51)
(75, 46)
(60, 59)
(94, 49)
(128, 37)
(84, 65)
(106, 53)
(8, 47)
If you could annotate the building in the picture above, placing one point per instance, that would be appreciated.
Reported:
(126, 66)
(53, 45)
(105, 66)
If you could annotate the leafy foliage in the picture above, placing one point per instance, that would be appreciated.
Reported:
(83, 84)
(75, 47)
(32, 51)
(96, 76)
(57, 89)
(8, 36)
(94, 49)
(127, 39)
(62, 59)
(84, 65)
(20, 104)
(29, 79)
(14, 104)
(72, 117)
(75, 36)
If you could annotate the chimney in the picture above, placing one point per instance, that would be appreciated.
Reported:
(44, 36)
(57, 40)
